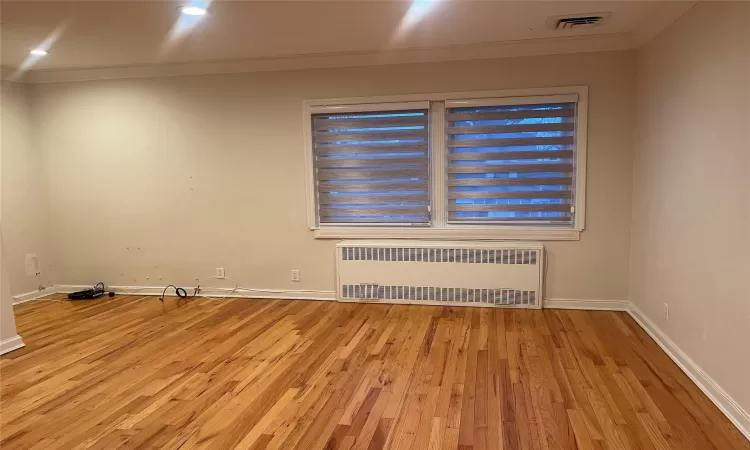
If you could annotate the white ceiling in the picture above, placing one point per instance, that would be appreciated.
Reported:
(128, 33)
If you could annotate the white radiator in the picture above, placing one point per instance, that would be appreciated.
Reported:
(508, 274)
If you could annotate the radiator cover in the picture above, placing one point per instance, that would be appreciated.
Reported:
(508, 274)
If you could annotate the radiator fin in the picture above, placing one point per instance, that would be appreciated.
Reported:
(439, 294)
(441, 255)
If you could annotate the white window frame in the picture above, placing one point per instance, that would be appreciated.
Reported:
(439, 228)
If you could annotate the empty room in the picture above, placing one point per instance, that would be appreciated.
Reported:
(375, 224)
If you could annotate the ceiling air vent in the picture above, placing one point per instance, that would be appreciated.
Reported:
(577, 22)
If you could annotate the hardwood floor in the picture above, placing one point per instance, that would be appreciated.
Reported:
(277, 374)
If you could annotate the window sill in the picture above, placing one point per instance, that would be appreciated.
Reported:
(454, 233)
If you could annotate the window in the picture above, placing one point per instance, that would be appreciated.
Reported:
(484, 165)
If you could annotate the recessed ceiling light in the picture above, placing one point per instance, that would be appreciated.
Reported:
(38, 52)
(193, 11)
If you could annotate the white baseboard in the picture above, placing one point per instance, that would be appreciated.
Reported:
(11, 344)
(211, 292)
(738, 416)
(34, 295)
(604, 305)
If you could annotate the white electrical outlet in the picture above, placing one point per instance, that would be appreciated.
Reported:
(666, 311)
(295, 274)
(219, 272)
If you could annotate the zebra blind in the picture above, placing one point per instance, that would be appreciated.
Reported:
(511, 163)
(372, 167)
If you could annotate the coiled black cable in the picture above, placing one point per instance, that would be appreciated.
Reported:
(180, 292)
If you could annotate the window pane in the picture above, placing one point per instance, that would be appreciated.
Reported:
(372, 167)
(511, 164)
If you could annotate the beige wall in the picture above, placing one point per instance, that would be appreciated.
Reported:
(24, 208)
(691, 201)
(174, 177)
(7, 319)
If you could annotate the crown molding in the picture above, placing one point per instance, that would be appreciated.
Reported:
(660, 21)
(11, 74)
(490, 50)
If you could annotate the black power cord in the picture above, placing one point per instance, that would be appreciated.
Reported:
(180, 292)
(99, 290)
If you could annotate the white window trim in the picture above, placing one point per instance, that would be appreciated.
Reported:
(439, 228)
